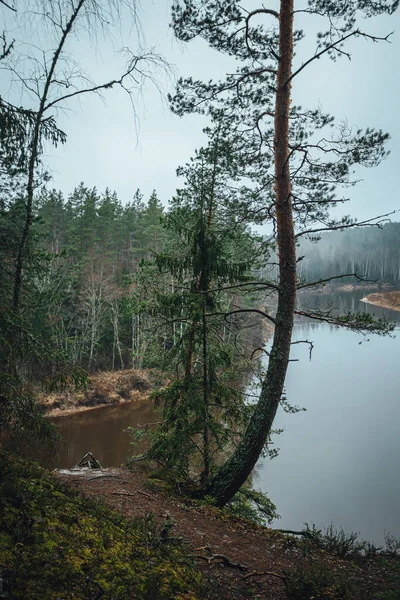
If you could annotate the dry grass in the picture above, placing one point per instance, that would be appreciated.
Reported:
(108, 387)
(389, 300)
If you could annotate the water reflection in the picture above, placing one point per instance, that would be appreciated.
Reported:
(339, 460)
(344, 302)
(102, 432)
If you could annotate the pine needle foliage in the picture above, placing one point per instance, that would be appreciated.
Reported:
(210, 251)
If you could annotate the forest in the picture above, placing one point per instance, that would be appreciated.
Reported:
(192, 289)
(372, 253)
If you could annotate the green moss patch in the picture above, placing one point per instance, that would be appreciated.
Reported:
(55, 544)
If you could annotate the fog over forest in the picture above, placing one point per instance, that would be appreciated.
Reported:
(372, 253)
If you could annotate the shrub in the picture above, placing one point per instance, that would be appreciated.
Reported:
(315, 583)
(392, 545)
(337, 541)
(253, 505)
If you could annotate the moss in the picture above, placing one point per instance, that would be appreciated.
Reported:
(57, 544)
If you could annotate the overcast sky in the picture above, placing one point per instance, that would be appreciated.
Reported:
(104, 149)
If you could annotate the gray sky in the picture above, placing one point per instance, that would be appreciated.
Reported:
(103, 148)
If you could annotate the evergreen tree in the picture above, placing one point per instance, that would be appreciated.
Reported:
(209, 251)
(293, 158)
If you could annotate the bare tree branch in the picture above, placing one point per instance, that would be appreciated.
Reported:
(374, 222)
(8, 6)
(322, 281)
(334, 45)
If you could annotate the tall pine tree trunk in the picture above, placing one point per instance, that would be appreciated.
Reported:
(231, 476)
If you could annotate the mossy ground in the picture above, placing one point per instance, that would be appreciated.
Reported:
(57, 544)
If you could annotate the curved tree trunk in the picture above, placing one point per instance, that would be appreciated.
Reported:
(231, 476)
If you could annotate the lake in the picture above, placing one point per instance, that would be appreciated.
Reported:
(339, 461)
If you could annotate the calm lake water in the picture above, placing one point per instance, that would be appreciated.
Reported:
(339, 460)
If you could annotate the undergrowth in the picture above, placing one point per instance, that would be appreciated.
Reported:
(348, 545)
(316, 583)
(55, 544)
(253, 505)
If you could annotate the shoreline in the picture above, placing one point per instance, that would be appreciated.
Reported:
(388, 300)
(106, 388)
(114, 388)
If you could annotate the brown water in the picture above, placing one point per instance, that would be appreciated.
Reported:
(101, 431)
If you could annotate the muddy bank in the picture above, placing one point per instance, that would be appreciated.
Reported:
(102, 389)
(390, 300)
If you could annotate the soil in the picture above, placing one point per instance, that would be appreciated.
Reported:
(389, 300)
(238, 559)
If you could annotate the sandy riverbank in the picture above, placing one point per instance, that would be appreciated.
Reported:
(390, 300)
(102, 389)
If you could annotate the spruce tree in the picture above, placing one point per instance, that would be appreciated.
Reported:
(210, 252)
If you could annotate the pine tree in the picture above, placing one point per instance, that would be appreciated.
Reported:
(292, 156)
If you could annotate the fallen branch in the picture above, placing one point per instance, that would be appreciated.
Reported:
(291, 532)
(145, 494)
(260, 574)
(225, 560)
(102, 476)
(122, 493)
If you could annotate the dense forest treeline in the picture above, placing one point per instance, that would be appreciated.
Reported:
(92, 287)
(93, 280)
(92, 295)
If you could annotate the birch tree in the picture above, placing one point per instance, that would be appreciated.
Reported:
(49, 78)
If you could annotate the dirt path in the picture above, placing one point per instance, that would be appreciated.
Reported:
(255, 557)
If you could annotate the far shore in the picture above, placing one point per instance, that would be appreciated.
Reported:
(110, 388)
(390, 300)
(103, 389)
